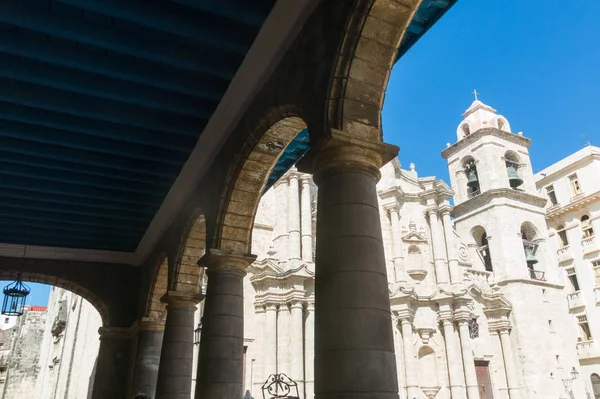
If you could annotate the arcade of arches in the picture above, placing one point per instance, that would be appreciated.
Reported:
(330, 79)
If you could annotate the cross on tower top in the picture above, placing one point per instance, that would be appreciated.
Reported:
(475, 94)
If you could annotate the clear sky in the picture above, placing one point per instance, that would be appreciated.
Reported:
(537, 62)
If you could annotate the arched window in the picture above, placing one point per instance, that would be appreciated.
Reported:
(586, 227)
(481, 238)
(470, 169)
(562, 236)
(595, 378)
(466, 130)
(528, 236)
(513, 162)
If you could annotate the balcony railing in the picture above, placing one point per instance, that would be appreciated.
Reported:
(575, 300)
(587, 349)
(590, 245)
(564, 254)
(537, 275)
(478, 276)
(474, 193)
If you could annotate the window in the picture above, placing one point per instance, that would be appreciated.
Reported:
(485, 253)
(584, 329)
(573, 283)
(596, 385)
(551, 195)
(574, 184)
(596, 268)
(562, 236)
(586, 227)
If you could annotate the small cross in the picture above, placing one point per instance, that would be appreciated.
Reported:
(475, 94)
(585, 137)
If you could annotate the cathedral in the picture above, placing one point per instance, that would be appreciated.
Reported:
(477, 297)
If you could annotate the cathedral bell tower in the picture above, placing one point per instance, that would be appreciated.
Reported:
(497, 207)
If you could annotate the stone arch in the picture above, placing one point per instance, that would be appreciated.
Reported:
(479, 235)
(512, 156)
(155, 309)
(374, 32)
(247, 180)
(463, 130)
(75, 288)
(187, 275)
(503, 124)
(529, 232)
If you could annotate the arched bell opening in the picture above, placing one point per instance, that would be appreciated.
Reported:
(473, 187)
(481, 239)
(529, 237)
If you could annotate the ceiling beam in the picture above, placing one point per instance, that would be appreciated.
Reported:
(153, 47)
(148, 167)
(98, 145)
(75, 81)
(108, 130)
(79, 180)
(36, 96)
(141, 71)
(42, 186)
(41, 161)
(175, 19)
(101, 205)
(67, 242)
(238, 10)
(31, 225)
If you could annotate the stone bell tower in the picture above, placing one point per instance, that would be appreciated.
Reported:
(500, 216)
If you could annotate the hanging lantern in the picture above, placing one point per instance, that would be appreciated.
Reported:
(15, 295)
(198, 333)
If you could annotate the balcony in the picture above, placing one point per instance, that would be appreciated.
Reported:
(473, 193)
(575, 300)
(537, 275)
(478, 276)
(564, 254)
(587, 350)
(590, 245)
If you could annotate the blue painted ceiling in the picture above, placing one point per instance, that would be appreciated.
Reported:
(101, 103)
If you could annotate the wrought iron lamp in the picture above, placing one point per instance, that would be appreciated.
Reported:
(15, 295)
(574, 376)
(198, 333)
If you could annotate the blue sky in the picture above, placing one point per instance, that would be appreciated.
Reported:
(535, 61)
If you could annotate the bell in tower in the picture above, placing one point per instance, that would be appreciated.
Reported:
(530, 255)
(513, 177)
(472, 180)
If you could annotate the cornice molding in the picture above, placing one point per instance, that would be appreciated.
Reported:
(489, 195)
(488, 131)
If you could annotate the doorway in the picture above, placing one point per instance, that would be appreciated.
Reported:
(483, 379)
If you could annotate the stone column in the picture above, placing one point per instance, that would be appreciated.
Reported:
(220, 364)
(174, 379)
(451, 246)
(259, 370)
(297, 345)
(294, 217)
(150, 337)
(309, 351)
(270, 349)
(509, 364)
(354, 348)
(110, 378)
(397, 246)
(283, 339)
(468, 362)
(438, 245)
(412, 385)
(461, 181)
(282, 235)
(306, 220)
(455, 364)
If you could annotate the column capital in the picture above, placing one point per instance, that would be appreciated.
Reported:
(445, 209)
(259, 308)
(446, 316)
(181, 300)
(296, 304)
(305, 178)
(310, 306)
(149, 324)
(271, 306)
(226, 261)
(391, 207)
(431, 209)
(117, 333)
(340, 150)
(404, 316)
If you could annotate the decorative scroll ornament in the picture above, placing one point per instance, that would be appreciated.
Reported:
(280, 386)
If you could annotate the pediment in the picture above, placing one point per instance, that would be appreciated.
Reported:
(265, 267)
(415, 237)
